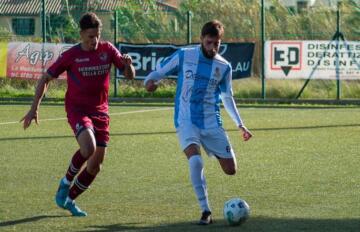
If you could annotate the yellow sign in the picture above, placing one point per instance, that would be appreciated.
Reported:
(3, 58)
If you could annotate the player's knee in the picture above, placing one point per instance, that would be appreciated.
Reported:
(87, 150)
(192, 150)
(229, 166)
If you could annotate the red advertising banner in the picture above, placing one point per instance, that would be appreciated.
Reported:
(31, 60)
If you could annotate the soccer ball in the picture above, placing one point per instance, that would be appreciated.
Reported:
(236, 211)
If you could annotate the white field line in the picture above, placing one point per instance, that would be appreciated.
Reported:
(113, 114)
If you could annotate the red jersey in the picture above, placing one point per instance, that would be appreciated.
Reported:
(88, 76)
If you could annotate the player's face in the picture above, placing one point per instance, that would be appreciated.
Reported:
(90, 38)
(210, 45)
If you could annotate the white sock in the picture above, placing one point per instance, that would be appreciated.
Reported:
(66, 181)
(198, 181)
(68, 199)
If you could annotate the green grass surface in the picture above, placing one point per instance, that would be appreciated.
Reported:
(243, 88)
(300, 172)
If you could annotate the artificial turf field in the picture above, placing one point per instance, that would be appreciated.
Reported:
(300, 172)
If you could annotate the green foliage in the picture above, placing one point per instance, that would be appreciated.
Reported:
(63, 29)
(14, 88)
(135, 89)
(245, 88)
(352, 18)
(314, 23)
(240, 17)
(143, 22)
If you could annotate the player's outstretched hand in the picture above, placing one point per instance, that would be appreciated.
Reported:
(32, 114)
(151, 85)
(127, 61)
(246, 133)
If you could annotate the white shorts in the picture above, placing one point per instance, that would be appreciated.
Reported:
(214, 141)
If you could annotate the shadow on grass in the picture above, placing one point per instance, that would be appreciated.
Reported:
(257, 224)
(27, 220)
(302, 127)
(173, 132)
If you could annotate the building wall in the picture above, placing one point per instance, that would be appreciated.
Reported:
(6, 22)
(38, 31)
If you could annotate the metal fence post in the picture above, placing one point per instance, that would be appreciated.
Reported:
(263, 89)
(43, 21)
(43, 28)
(115, 43)
(338, 33)
(189, 15)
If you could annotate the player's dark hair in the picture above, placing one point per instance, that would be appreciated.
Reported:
(213, 28)
(90, 20)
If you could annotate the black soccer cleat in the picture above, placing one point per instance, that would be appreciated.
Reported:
(205, 219)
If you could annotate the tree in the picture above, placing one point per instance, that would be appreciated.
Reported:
(143, 22)
(352, 18)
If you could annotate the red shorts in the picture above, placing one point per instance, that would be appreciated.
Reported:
(98, 123)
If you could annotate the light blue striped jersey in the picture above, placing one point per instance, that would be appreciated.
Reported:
(200, 82)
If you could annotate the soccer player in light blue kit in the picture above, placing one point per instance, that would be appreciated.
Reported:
(203, 76)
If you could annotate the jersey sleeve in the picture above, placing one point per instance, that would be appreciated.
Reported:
(226, 83)
(227, 97)
(117, 58)
(62, 64)
(169, 66)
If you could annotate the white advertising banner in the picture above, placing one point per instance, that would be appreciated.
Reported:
(287, 59)
(31, 60)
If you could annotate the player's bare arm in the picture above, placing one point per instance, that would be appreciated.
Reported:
(129, 70)
(32, 114)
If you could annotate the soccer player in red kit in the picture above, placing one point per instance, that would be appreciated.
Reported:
(88, 67)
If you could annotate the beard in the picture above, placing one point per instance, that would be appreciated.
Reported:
(208, 54)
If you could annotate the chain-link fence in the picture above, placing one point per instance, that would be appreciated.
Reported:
(180, 22)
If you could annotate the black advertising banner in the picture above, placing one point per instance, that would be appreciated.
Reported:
(146, 56)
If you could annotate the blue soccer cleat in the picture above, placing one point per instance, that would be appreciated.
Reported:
(61, 194)
(74, 209)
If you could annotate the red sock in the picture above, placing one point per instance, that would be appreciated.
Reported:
(81, 183)
(75, 165)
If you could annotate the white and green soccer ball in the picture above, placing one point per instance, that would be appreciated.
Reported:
(236, 211)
